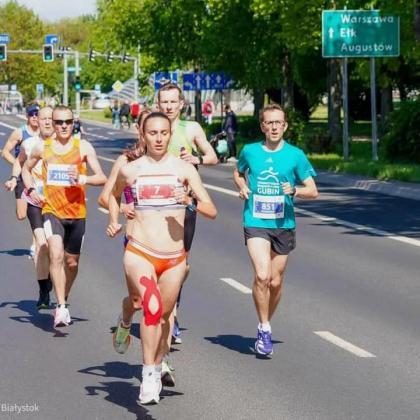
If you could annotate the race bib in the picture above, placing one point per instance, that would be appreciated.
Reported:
(156, 190)
(268, 207)
(58, 174)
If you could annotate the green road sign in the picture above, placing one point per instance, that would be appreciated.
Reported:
(357, 33)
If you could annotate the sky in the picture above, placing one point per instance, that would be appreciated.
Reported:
(52, 10)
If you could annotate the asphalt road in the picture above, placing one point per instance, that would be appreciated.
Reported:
(354, 277)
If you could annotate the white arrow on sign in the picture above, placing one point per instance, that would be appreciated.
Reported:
(198, 81)
(188, 85)
(331, 33)
(208, 81)
(218, 79)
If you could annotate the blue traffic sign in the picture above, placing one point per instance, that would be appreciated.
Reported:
(207, 81)
(162, 77)
(52, 39)
(4, 39)
(40, 88)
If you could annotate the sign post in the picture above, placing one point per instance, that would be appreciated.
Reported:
(359, 33)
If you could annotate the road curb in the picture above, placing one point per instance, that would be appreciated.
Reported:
(394, 188)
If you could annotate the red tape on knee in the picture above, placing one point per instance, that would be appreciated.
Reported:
(151, 290)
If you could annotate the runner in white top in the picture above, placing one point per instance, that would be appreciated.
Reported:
(34, 210)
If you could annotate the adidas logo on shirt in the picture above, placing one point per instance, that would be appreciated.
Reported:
(269, 160)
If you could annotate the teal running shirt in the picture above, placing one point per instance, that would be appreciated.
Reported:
(267, 206)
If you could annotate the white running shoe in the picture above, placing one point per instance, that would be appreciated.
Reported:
(168, 377)
(149, 390)
(61, 317)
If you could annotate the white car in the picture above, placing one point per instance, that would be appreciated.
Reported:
(102, 102)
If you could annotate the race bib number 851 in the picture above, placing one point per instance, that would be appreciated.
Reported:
(268, 207)
(58, 174)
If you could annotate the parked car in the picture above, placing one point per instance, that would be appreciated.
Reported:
(101, 102)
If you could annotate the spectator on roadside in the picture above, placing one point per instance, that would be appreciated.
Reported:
(231, 127)
(208, 110)
(134, 110)
(125, 114)
(115, 112)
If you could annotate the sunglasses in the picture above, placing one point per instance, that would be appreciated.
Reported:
(61, 122)
(33, 114)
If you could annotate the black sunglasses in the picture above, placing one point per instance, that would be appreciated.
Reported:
(61, 122)
(33, 114)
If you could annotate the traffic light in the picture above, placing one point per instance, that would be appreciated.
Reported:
(3, 52)
(48, 53)
(77, 84)
(91, 55)
(125, 57)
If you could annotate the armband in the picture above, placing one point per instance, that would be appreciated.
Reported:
(82, 179)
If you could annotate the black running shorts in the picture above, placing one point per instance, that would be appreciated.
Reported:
(282, 241)
(20, 186)
(189, 228)
(34, 215)
(71, 231)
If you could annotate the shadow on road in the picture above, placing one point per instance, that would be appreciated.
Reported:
(244, 345)
(124, 394)
(41, 320)
(16, 252)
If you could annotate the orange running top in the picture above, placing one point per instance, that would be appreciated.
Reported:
(62, 198)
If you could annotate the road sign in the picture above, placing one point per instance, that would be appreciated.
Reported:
(359, 33)
(52, 39)
(4, 39)
(73, 69)
(40, 88)
(117, 86)
(162, 77)
(13, 88)
(97, 89)
(207, 81)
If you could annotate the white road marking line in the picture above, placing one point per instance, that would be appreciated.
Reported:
(111, 133)
(326, 219)
(236, 285)
(106, 159)
(7, 125)
(362, 228)
(2, 134)
(102, 210)
(326, 335)
(222, 190)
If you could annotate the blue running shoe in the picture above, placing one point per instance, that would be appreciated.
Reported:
(176, 333)
(264, 345)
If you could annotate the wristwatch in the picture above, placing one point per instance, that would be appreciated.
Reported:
(200, 160)
(30, 190)
(13, 176)
(293, 192)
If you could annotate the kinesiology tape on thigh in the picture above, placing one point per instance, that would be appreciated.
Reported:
(151, 290)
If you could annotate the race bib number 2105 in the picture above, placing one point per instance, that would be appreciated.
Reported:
(58, 174)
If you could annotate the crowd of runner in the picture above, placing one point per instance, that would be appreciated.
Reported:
(155, 190)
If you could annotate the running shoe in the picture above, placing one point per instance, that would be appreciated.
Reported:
(32, 250)
(61, 317)
(176, 333)
(121, 338)
(149, 390)
(168, 376)
(264, 345)
(44, 300)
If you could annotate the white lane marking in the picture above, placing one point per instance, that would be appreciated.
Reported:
(326, 335)
(326, 219)
(106, 159)
(236, 285)
(362, 228)
(102, 210)
(2, 134)
(7, 125)
(111, 133)
(222, 190)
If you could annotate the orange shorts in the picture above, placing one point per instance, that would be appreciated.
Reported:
(161, 261)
